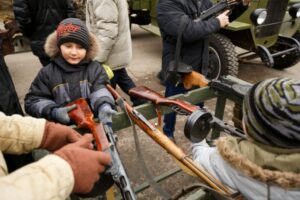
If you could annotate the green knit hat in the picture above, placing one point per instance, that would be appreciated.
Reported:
(272, 112)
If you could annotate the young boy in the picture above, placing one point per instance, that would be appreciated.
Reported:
(266, 165)
(72, 74)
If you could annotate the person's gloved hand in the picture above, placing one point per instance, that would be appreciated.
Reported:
(61, 114)
(57, 135)
(105, 113)
(194, 79)
(86, 164)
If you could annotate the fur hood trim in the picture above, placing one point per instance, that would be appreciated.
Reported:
(52, 49)
(240, 162)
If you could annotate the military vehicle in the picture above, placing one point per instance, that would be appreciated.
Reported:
(268, 29)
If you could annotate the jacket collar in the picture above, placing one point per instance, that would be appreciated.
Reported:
(265, 165)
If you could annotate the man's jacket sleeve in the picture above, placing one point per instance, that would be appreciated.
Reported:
(49, 178)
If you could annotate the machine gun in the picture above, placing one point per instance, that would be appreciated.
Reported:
(105, 141)
(217, 8)
(198, 118)
(170, 147)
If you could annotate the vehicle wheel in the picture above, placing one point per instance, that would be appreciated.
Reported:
(285, 61)
(222, 57)
(288, 60)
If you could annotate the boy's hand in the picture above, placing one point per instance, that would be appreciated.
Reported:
(86, 164)
(61, 114)
(57, 135)
(105, 113)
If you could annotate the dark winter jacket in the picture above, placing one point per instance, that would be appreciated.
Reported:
(59, 82)
(195, 35)
(39, 18)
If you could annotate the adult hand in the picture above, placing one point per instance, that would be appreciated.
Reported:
(223, 18)
(105, 113)
(61, 114)
(58, 135)
(86, 164)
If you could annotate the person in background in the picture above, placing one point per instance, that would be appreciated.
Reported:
(38, 18)
(9, 101)
(266, 164)
(79, 9)
(73, 166)
(195, 37)
(109, 21)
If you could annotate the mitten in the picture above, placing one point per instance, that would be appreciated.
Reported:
(194, 79)
(57, 135)
(105, 113)
(86, 164)
(61, 114)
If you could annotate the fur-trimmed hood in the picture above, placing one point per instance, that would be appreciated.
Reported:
(52, 50)
(258, 163)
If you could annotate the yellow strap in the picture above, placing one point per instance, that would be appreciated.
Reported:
(108, 70)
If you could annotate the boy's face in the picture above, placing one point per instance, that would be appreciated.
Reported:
(73, 53)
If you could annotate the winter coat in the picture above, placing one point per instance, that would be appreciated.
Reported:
(109, 21)
(251, 168)
(195, 34)
(60, 83)
(9, 101)
(48, 178)
(39, 18)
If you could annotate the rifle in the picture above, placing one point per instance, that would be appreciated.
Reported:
(217, 8)
(105, 141)
(170, 147)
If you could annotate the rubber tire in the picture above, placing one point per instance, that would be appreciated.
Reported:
(223, 58)
(288, 60)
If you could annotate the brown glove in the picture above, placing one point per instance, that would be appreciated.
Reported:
(57, 135)
(194, 79)
(86, 164)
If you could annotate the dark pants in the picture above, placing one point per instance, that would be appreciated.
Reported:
(122, 79)
(170, 119)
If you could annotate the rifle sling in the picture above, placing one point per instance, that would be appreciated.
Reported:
(140, 156)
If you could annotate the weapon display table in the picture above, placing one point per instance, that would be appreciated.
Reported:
(221, 94)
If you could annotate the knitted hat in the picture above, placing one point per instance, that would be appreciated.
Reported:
(272, 112)
(73, 30)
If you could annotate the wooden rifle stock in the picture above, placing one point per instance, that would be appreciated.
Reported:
(83, 117)
(170, 147)
(158, 99)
